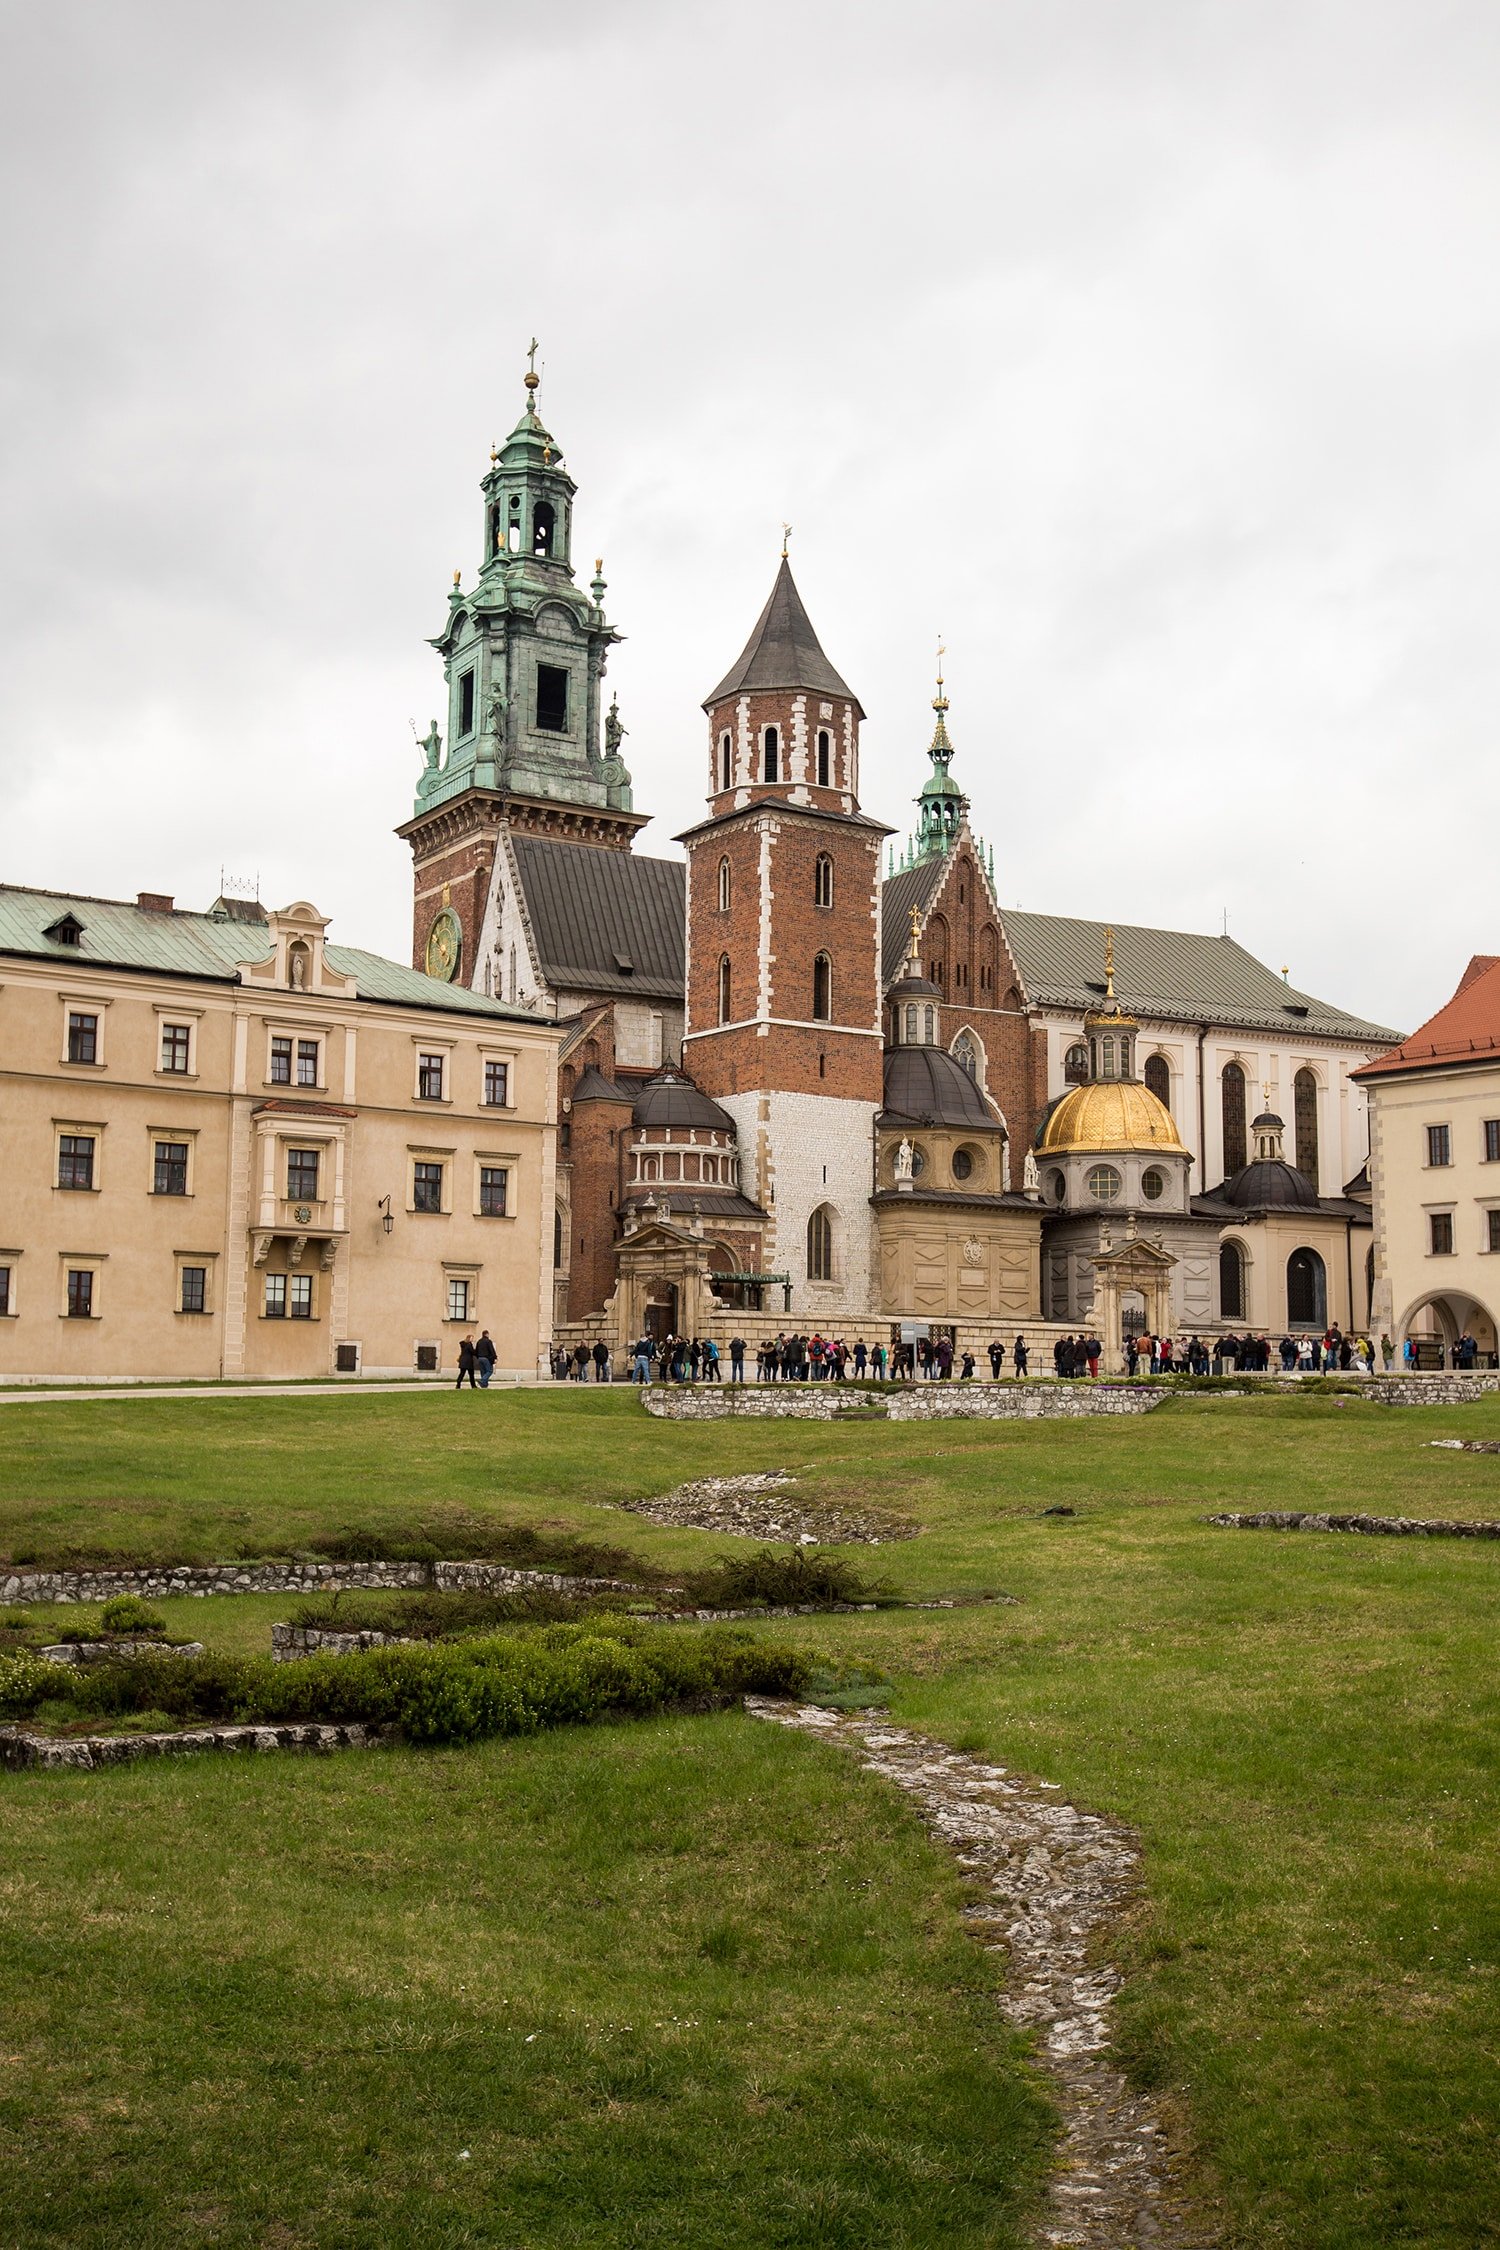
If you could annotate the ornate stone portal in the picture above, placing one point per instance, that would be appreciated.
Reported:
(1136, 1267)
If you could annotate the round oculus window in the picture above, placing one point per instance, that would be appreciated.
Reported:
(963, 1163)
(1058, 1182)
(1104, 1183)
(918, 1164)
(1153, 1184)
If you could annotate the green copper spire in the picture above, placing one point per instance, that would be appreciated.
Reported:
(941, 806)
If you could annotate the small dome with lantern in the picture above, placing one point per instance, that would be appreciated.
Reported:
(1112, 1110)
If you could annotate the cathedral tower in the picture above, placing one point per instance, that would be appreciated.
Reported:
(783, 948)
(524, 652)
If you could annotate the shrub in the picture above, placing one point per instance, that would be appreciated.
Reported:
(450, 1692)
(131, 1617)
(803, 1575)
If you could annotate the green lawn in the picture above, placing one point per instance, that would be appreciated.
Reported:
(1301, 1727)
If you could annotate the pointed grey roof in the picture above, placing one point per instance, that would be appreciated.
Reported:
(783, 651)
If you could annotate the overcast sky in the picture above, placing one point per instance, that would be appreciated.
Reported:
(1146, 352)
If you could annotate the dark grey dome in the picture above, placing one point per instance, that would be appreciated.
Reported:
(925, 1086)
(1267, 1119)
(669, 1099)
(1270, 1186)
(913, 988)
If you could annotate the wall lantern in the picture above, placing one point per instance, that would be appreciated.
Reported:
(387, 1218)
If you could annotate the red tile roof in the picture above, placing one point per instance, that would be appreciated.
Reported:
(1466, 1030)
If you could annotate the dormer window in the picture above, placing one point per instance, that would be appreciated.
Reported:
(66, 930)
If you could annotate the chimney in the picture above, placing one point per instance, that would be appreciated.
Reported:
(153, 902)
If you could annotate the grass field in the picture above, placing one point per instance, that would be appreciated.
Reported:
(1302, 1728)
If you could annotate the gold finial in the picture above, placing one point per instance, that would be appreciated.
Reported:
(1109, 964)
(598, 566)
(494, 453)
(916, 934)
(940, 701)
(1265, 1093)
(786, 533)
(458, 578)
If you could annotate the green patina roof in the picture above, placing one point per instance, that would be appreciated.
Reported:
(120, 935)
(1172, 974)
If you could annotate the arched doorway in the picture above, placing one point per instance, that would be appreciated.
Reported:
(1306, 1290)
(661, 1311)
(1437, 1324)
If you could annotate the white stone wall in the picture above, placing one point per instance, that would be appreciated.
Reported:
(797, 1151)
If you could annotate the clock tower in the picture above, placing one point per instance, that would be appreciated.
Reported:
(527, 744)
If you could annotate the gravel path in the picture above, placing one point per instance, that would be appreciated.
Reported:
(1057, 1876)
(754, 1507)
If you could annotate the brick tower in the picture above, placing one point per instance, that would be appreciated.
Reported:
(783, 950)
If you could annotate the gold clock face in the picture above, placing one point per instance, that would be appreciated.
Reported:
(444, 946)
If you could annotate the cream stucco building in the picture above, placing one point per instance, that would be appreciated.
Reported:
(1435, 1175)
(229, 1147)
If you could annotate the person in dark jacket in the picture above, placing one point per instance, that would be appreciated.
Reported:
(997, 1360)
(466, 1364)
(485, 1356)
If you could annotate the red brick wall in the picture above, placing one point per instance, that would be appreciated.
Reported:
(464, 866)
(598, 1138)
(779, 709)
(965, 953)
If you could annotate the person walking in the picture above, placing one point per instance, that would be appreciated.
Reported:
(861, 1358)
(641, 1368)
(466, 1364)
(736, 1359)
(485, 1356)
(601, 1361)
(711, 1361)
(1020, 1357)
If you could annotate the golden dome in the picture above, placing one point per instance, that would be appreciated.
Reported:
(1116, 1114)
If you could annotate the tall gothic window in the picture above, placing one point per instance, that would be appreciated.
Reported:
(1231, 1281)
(1076, 1064)
(770, 757)
(726, 761)
(724, 886)
(822, 997)
(725, 995)
(1305, 1119)
(966, 1051)
(823, 880)
(824, 757)
(820, 1245)
(1158, 1076)
(1232, 1105)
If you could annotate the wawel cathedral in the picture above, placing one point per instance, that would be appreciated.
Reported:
(809, 1080)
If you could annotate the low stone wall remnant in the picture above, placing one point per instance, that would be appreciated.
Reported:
(1399, 1527)
(100, 1652)
(200, 1579)
(898, 1402)
(18, 1749)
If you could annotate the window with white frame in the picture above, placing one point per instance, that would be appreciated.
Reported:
(169, 1168)
(7, 1290)
(76, 1160)
(426, 1185)
(275, 1299)
(1491, 1130)
(1440, 1233)
(80, 1293)
(460, 1296)
(309, 1062)
(300, 1296)
(494, 1190)
(1439, 1146)
(83, 1035)
(497, 1085)
(281, 1062)
(177, 1048)
(430, 1075)
(302, 1165)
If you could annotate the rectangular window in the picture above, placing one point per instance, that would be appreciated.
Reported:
(302, 1175)
(552, 699)
(429, 1078)
(1494, 1228)
(494, 1179)
(276, 1296)
(171, 1168)
(281, 1062)
(308, 1053)
(83, 1039)
(466, 703)
(1439, 1145)
(80, 1295)
(1441, 1223)
(194, 1289)
(5, 1304)
(75, 1160)
(496, 1085)
(458, 1298)
(427, 1187)
(1492, 1140)
(176, 1039)
(301, 1296)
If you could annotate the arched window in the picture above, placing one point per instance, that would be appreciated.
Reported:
(913, 1035)
(724, 886)
(497, 528)
(726, 761)
(770, 755)
(823, 880)
(1076, 1064)
(820, 1245)
(1305, 1119)
(966, 1052)
(724, 991)
(822, 996)
(1159, 1079)
(543, 528)
(1306, 1290)
(937, 948)
(1231, 1281)
(557, 1241)
(825, 757)
(1232, 1106)
(1107, 1057)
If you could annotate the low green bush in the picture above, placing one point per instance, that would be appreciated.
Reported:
(460, 1691)
(131, 1617)
(801, 1575)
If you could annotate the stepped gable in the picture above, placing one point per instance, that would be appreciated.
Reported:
(604, 921)
(782, 652)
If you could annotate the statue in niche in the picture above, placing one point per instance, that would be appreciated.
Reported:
(1030, 1177)
(904, 1156)
(1005, 1165)
(499, 708)
(297, 968)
